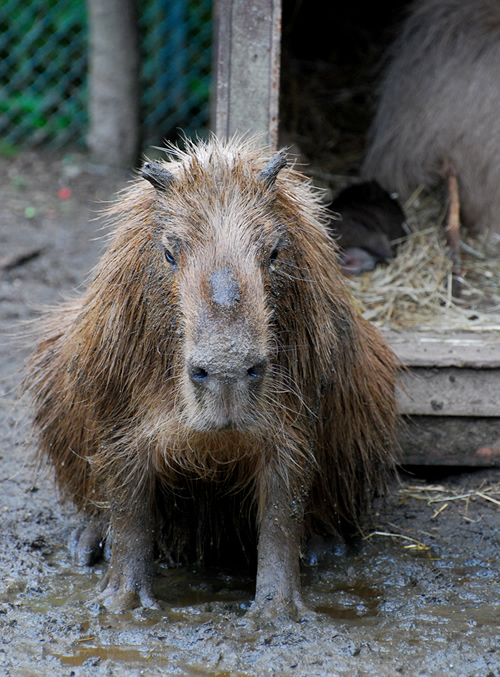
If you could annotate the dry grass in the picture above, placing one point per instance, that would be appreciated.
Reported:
(414, 290)
(441, 498)
(411, 543)
(444, 496)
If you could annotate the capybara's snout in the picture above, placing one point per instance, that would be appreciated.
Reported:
(214, 376)
(226, 369)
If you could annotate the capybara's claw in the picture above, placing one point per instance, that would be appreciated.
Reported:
(118, 594)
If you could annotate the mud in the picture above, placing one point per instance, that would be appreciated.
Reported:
(381, 607)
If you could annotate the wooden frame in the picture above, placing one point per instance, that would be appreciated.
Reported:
(246, 68)
(450, 397)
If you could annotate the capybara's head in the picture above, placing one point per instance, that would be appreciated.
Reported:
(218, 304)
(217, 242)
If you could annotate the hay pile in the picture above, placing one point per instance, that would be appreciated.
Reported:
(414, 290)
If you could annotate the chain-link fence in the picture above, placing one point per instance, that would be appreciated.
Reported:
(177, 60)
(43, 70)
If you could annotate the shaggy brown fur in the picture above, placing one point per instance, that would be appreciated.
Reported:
(216, 264)
(439, 103)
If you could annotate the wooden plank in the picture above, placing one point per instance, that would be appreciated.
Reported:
(445, 440)
(450, 392)
(246, 68)
(455, 349)
(450, 397)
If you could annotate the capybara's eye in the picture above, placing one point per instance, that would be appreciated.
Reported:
(170, 257)
(273, 257)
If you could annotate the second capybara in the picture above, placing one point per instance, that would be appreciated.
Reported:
(214, 385)
(367, 223)
(438, 105)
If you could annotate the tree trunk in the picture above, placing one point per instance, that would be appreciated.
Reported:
(113, 137)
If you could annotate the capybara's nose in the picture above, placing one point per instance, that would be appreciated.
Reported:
(209, 374)
(224, 288)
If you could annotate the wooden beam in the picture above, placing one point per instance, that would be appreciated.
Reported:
(449, 397)
(450, 392)
(246, 68)
(451, 441)
(479, 350)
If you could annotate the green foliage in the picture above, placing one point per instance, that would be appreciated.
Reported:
(43, 69)
(176, 39)
(43, 64)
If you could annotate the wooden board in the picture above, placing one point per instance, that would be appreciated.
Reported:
(450, 397)
(246, 68)
(452, 441)
(456, 349)
(450, 392)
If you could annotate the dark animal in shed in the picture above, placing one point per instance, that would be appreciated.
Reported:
(214, 386)
(370, 223)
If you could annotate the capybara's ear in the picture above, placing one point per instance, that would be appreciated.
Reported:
(157, 175)
(271, 170)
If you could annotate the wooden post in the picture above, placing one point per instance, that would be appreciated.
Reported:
(246, 68)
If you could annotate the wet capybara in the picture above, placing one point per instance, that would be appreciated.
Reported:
(439, 102)
(366, 222)
(214, 388)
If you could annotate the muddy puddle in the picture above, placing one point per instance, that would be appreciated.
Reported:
(380, 608)
(424, 600)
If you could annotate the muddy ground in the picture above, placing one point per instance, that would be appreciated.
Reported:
(383, 608)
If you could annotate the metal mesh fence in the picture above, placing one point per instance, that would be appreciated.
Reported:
(176, 43)
(43, 70)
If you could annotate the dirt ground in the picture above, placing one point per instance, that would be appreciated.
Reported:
(424, 601)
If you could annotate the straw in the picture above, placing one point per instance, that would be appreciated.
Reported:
(413, 291)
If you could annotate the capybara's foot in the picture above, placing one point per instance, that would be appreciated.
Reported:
(120, 592)
(272, 612)
(88, 540)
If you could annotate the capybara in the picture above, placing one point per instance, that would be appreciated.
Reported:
(214, 389)
(439, 103)
(371, 221)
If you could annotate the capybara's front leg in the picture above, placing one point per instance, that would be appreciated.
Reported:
(278, 573)
(128, 582)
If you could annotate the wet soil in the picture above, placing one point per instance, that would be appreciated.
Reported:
(382, 608)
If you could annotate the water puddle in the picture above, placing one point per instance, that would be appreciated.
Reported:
(83, 654)
(382, 600)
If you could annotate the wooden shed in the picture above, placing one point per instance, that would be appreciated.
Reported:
(449, 394)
